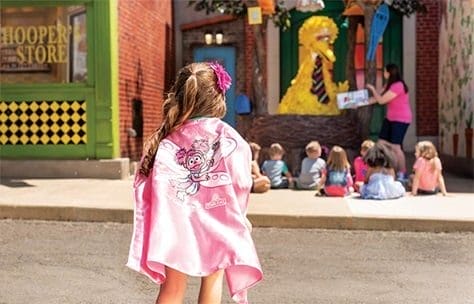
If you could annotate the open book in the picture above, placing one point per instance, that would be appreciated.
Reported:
(352, 99)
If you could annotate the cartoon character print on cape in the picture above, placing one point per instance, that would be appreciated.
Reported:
(190, 168)
(190, 211)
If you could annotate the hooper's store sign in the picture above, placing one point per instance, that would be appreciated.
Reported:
(38, 44)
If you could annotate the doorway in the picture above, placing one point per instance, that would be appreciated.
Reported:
(226, 57)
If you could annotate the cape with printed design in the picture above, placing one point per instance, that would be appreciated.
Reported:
(190, 212)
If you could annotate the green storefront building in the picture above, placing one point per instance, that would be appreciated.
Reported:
(59, 77)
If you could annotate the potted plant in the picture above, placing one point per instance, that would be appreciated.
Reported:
(455, 137)
(468, 133)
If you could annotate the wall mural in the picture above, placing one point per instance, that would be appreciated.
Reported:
(456, 82)
(312, 91)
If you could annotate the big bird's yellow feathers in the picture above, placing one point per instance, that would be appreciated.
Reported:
(316, 36)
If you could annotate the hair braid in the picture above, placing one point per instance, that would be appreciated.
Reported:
(171, 113)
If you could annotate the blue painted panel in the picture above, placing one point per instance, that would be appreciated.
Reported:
(225, 55)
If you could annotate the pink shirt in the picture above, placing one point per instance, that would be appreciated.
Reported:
(360, 169)
(398, 109)
(428, 176)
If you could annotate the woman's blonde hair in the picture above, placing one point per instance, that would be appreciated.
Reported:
(195, 93)
(337, 159)
(428, 151)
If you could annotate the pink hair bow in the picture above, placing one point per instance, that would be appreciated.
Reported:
(223, 78)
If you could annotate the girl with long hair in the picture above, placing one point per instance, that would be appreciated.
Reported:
(428, 172)
(191, 195)
(337, 179)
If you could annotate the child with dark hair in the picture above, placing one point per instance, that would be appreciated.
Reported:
(380, 180)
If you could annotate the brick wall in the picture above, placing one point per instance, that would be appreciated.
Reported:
(146, 66)
(427, 51)
(249, 49)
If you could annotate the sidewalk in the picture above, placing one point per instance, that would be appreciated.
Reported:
(111, 200)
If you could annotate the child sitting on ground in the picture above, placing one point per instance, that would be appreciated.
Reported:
(261, 183)
(312, 168)
(428, 177)
(380, 180)
(276, 169)
(360, 166)
(337, 179)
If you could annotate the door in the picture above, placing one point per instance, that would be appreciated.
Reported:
(226, 57)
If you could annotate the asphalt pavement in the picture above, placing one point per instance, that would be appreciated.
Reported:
(51, 262)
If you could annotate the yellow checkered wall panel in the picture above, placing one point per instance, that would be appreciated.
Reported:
(43, 122)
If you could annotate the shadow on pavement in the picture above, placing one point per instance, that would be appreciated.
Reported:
(14, 183)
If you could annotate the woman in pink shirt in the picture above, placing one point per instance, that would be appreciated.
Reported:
(398, 116)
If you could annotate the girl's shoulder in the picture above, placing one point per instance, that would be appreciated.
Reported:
(420, 161)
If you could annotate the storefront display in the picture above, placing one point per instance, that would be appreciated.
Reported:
(56, 87)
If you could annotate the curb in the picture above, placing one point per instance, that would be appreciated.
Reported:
(362, 223)
(74, 214)
(53, 213)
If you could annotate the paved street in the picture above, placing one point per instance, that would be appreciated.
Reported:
(74, 262)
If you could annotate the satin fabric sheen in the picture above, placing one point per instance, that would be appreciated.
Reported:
(194, 220)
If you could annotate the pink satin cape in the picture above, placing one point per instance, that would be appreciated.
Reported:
(190, 211)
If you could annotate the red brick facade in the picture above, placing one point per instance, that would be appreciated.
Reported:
(427, 52)
(146, 66)
(249, 49)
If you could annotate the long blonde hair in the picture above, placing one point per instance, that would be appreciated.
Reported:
(428, 151)
(337, 159)
(195, 93)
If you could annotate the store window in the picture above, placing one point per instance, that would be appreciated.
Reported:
(43, 44)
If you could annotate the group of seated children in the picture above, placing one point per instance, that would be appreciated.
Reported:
(374, 171)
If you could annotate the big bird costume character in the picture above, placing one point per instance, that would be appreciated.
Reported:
(312, 91)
